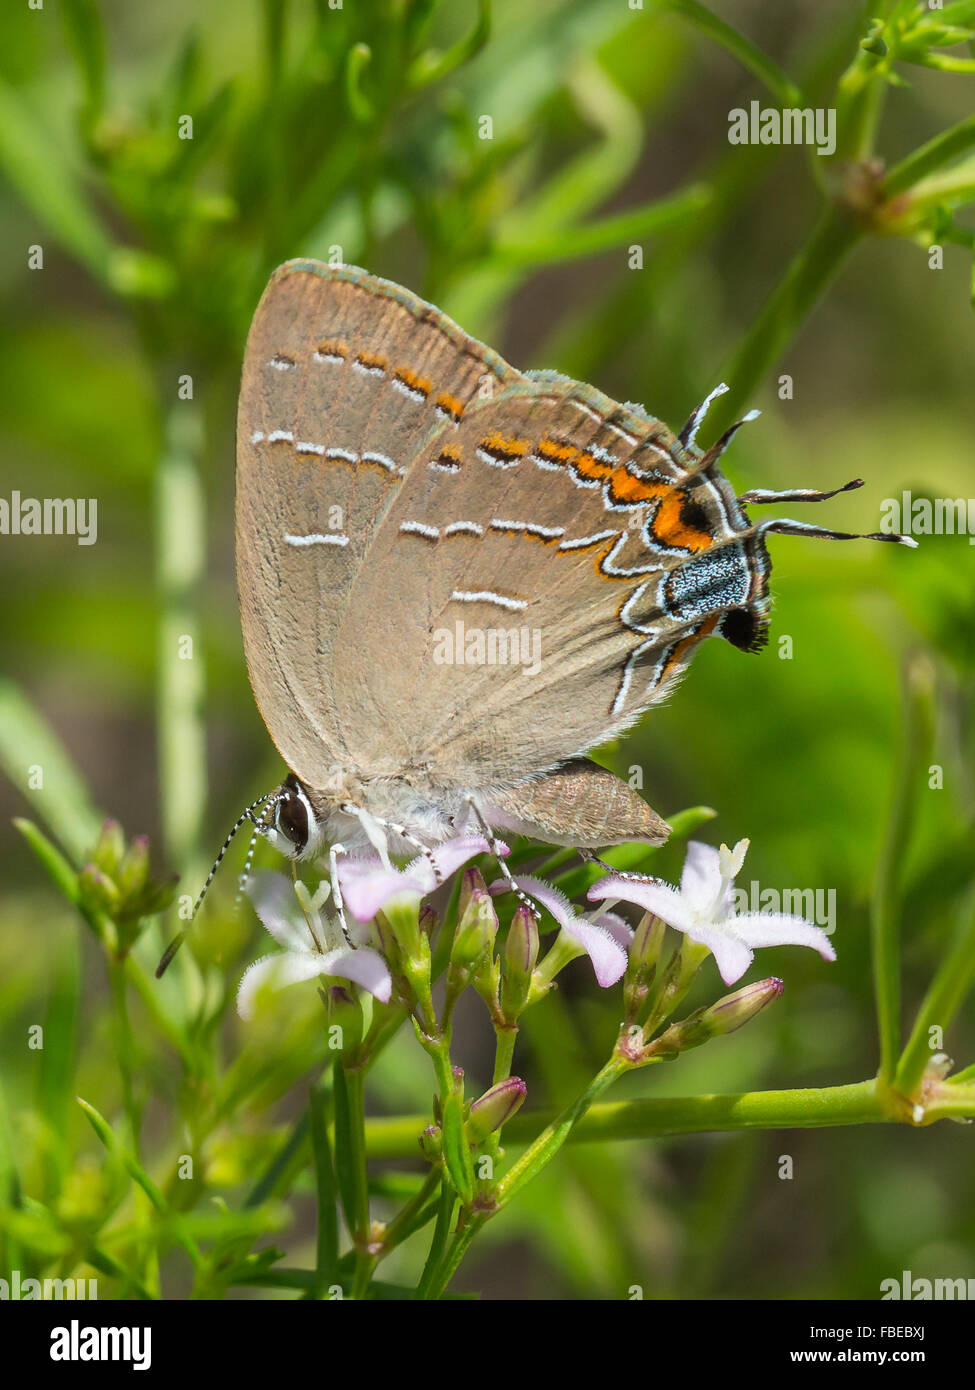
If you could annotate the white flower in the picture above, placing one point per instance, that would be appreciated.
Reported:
(313, 944)
(703, 908)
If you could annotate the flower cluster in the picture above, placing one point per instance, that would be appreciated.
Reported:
(380, 899)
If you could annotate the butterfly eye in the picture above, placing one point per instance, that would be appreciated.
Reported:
(291, 818)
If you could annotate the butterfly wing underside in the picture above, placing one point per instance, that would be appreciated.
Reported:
(564, 529)
(346, 379)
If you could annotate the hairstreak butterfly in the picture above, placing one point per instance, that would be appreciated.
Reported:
(396, 478)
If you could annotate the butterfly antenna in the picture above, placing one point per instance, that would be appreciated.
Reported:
(786, 527)
(245, 872)
(688, 433)
(265, 802)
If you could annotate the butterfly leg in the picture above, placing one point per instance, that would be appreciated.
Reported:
(495, 847)
(591, 858)
(333, 872)
(375, 825)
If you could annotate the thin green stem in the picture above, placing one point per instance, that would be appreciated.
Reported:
(327, 1243)
(404, 1223)
(858, 1103)
(455, 1253)
(832, 239)
(180, 551)
(952, 982)
(504, 1053)
(365, 1261)
(125, 1049)
(439, 1242)
(888, 887)
(927, 158)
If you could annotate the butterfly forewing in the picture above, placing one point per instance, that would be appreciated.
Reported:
(347, 381)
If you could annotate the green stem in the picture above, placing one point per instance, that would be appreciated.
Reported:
(543, 1149)
(439, 1241)
(403, 1223)
(858, 1103)
(180, 550)
(832, 239)
(888, 889)
(923, 161)
(948, 989)
(455, 1253)
(125, 1048)
(504, 1053)
(536, 1157)
(327, 1244)
(365, 1262)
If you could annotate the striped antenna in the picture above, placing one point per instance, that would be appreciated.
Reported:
(718, 447)
(786, 527)
(266, 801)
(688, 432)
(761, 495)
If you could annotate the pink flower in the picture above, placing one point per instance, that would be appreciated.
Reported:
(703, 908)
(313, 945)
(368, 885)
(603, 937)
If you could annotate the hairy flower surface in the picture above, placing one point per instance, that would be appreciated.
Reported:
(313, 944)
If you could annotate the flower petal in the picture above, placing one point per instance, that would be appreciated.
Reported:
(363, 967)
(619, 930)
(449, 856)
(701, 876)
(659, 898)
(367, 886)
(607, 955)
(282, 968)
(275, 903)
(778, 929)
(731, 956)
(546, 893)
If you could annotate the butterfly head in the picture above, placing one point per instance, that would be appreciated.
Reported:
(296, 829)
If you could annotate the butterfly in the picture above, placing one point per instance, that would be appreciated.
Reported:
(396, 478)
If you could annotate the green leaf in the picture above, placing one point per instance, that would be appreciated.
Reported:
(595, 237)
(85, 35)
(27, 741)
(758, 63)
(36, 165)
(456, 1150)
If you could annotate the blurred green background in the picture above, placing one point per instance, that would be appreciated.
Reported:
(609, 130)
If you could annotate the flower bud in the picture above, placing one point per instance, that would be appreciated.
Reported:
(725, 1016)
(476, 930)
(109, 848)
(133, 871)
(494, 1109)
(99, 892)
(431, 1143)
(520, 955)
(641, 966)
(472, 881)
